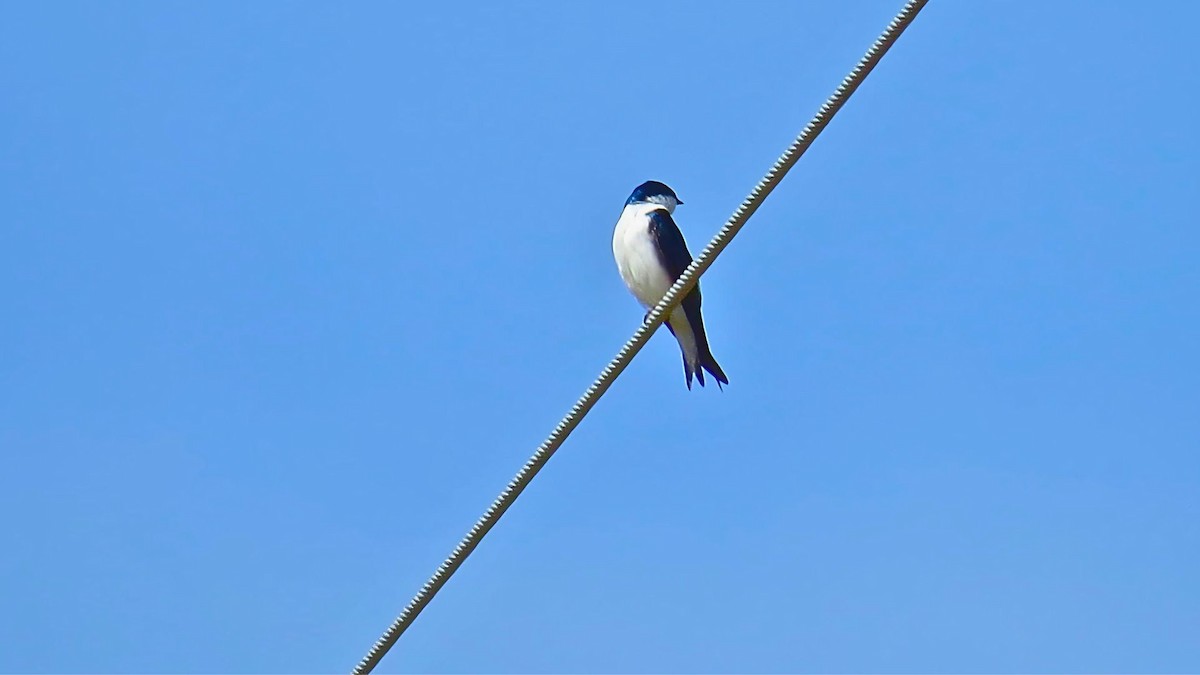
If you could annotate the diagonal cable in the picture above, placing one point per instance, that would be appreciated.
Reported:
(682, 285)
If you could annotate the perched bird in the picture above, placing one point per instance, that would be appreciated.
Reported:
(651, 254)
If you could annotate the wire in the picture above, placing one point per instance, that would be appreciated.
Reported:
(682, 285)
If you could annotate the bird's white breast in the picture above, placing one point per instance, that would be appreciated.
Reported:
(637, 255)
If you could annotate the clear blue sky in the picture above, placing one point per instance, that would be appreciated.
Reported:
(290, 291)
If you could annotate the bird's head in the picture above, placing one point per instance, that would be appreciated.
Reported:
(654, 192)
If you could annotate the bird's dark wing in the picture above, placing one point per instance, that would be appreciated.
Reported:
(672, 249)
(674, 255)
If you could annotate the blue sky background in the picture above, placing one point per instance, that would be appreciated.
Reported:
(290, 291)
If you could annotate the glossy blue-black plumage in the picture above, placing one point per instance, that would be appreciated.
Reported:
(646, 192)
(674, 256)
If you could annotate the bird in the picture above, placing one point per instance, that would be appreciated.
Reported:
(651, 254)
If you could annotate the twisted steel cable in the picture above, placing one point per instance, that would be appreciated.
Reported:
(615, 367)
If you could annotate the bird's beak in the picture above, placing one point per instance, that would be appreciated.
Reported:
(678, 201)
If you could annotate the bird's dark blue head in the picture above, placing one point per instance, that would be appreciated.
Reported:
(654, 192)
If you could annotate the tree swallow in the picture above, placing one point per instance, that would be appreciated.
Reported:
(651, 254)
